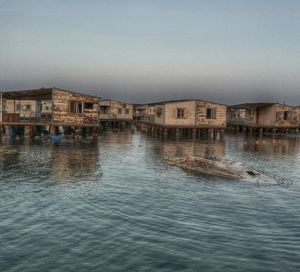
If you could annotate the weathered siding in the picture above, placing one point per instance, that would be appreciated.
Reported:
(274, 116)
(189, 113)
(201, 115)
(27, 108)
(61, 108)
(122, 111)
(110, 109)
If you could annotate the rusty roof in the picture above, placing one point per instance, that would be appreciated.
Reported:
(39, 92)
(252, 105)
(181, 100)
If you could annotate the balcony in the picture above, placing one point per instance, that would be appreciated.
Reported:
(240, 121)
(32, 117)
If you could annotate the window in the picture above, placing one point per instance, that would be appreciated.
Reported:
(287, 115)
(88, 106)
(119, 111)
(18, 107)
(126, 111)
(73, 107)
(211, 114)
(180, 113)
(26, 107)
(158, 112)
(79, 107)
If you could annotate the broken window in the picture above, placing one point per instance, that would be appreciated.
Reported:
(79, 107)
(73, 107)
(158, 112)
(180, 113)
(26, 107)
(88, 106)
(211, 114)
(119, 111)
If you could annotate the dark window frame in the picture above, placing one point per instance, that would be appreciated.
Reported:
(211, 113)
(180, 113)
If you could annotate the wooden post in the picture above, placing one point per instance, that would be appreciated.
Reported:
(210, 133)
(222, 133)
(165, 131)
(261, 130)
(194, 133)
(153, 130)
(27, 131)
(6, 131)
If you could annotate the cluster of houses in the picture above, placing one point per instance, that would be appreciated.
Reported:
(50, 110)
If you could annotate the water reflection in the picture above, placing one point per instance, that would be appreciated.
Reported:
(75, 161)
(167, 149)
(72, 161)
(277, 146)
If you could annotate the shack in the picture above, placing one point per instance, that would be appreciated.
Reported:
(144, 112)
(115, 114)
(45, 110)
(189, 117)
(263, 117)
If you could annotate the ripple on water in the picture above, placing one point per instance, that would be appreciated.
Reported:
(112, 206)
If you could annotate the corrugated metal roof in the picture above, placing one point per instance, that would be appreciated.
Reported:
(252, 105)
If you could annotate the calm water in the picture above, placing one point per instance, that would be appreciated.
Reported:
(111, 205)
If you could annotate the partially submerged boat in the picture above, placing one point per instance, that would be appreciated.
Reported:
(224, 168)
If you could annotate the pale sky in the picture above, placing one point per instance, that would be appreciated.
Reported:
(230, 51)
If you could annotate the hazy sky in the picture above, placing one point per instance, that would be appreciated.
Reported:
(230, 51)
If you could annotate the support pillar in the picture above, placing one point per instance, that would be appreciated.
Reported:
(165, 132)
(210, 133)
(222, 133)
(261, 130)
(6, 132)
(194, 133)
(27, 131)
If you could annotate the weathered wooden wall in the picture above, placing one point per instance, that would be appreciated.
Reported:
(11, 106)
(221, 114)
(274, 116)
(117, 110)
(189, 113)
(62, 114)
(117, 106)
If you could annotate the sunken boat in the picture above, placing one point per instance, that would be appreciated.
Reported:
(224, 168)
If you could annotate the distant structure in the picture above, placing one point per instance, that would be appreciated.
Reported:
(263, 117)
(47, 110)
(187, 117)
(115, 114)
(53, 111)
(144, 112)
